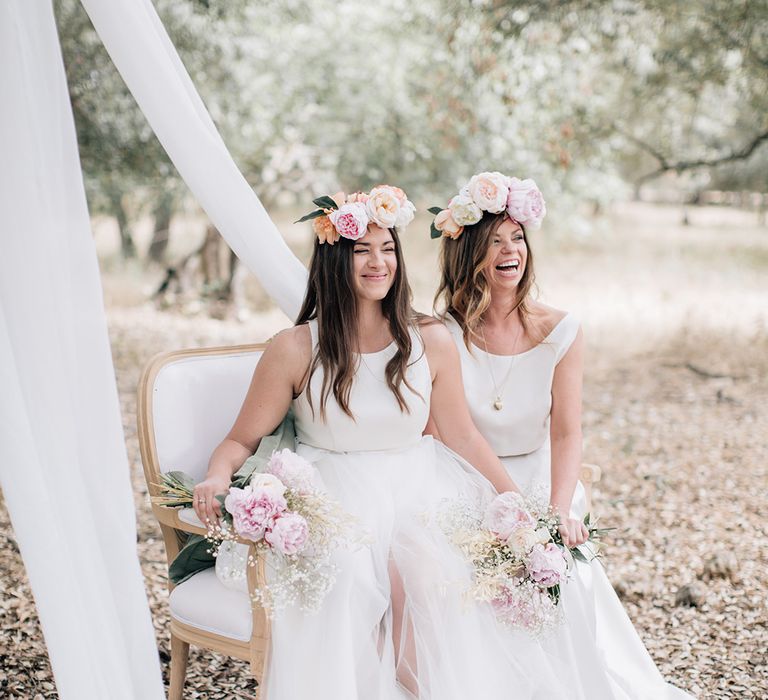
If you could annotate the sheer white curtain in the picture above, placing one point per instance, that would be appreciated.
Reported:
(63, 466)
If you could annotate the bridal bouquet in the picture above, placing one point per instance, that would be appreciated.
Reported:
(293, 523)
(517, 556)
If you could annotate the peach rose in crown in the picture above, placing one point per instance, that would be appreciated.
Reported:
(446, 224)
(489, 191)
(383, 206)
(324, 230)
(525, 203)
(400, 194)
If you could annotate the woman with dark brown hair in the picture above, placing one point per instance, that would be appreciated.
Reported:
(522, 368)
(362, 373)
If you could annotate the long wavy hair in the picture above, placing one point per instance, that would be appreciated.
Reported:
(332, 300)
(464, 263)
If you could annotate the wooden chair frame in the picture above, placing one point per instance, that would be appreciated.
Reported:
(255, 650)
(590, 474)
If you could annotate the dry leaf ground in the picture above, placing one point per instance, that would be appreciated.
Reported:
(674, 411)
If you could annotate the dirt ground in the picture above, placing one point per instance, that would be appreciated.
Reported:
(676, 389)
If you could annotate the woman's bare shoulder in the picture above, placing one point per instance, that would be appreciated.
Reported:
(433, 330)
(292, 344)
(546, 317)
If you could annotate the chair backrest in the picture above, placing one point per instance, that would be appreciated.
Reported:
(188, 401)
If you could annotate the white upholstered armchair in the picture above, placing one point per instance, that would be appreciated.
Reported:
(187, 402)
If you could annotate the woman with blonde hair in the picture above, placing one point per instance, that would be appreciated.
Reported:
(522, 364)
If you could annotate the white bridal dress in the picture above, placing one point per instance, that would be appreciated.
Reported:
(382, 470)
(598, 653)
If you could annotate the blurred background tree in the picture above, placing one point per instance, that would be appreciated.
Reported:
(594, 99)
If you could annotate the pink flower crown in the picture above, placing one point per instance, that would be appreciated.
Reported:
(349, 215)
(492, 193)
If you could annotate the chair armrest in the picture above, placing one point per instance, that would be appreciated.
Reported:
(170, 516)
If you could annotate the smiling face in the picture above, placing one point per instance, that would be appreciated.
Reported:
(374, 263)
(506, 257)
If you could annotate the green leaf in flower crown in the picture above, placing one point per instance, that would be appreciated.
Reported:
(586, 519)
(311, 215)
(434, 210)
(433, 232)
(325, 202)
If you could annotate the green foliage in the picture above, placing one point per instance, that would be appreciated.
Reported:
(313, 96)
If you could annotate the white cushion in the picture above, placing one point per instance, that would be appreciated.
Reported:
(195, 401)
(188, 515)
(203, 602)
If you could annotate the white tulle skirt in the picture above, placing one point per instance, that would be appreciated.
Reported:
(397, 623)
(596, 649)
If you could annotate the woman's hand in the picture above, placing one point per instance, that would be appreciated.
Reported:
(207, 508)
(573, 531)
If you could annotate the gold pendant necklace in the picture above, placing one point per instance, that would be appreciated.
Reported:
(498, 403)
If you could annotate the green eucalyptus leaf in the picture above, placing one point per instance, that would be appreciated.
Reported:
(434, 210)
(311, 215)
(325, 202)
(578, 554)
(433, 232)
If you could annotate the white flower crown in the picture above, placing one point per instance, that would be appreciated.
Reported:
(492, 193)
(348, 216)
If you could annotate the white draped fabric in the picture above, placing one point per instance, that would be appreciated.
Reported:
(63, 466)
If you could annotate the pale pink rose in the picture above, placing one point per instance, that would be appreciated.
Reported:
(546, 564)
(525, 203)
(358, 197)
(350, 220)
(383, 206)
(253, 510)
(489, 191)
(294, 471)
(464, 210)
(405, 215)
(446, 224)
(507, 513)
(339, 198)
(288, 534)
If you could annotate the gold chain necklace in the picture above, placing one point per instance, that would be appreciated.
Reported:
(498, 404)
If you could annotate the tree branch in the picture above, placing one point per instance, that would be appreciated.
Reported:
(666, 166)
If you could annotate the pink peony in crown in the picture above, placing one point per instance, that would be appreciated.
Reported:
(348, 216)
(493, 193)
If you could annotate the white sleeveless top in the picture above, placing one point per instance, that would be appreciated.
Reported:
(522, 426)
(378, 422)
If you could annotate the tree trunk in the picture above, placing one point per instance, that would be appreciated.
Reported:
(127, 246)
(163, 212)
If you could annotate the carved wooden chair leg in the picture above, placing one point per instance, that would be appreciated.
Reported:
(260, 634)
(179, 658)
